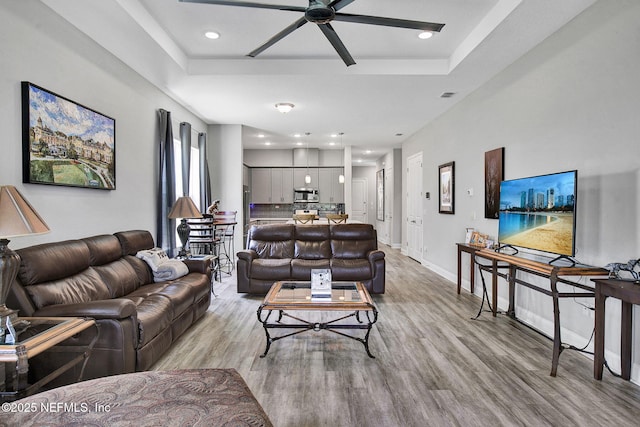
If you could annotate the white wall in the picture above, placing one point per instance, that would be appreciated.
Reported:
(369, 174)
(38, 46)
(570, 103)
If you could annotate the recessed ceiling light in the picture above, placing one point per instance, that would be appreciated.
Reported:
(332, 143)
(368, 152)
(298, 143)
(212, 35)
(260, 135)
(297, 135)
(284, 107)
(425, 35)
(267, 143)
(334, 135)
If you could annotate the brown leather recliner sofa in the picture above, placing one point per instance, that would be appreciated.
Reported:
(278, 252)
(101, 278)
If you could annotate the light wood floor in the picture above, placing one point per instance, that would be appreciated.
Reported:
(434, 366)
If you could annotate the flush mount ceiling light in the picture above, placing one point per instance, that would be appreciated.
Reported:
(284, 107)
(212, 35)
(425, 35)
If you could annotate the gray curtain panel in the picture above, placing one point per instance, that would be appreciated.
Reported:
(205, 182)
(185, 146)
(166, 232)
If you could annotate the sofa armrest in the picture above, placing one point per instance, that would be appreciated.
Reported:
(247, 255)
(243, 270)
(373, 256)
(199, 265)
(118, 308)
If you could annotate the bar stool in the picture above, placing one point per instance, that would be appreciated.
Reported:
(224, 224)
(337, 218)
(203, 242)
(303, 218)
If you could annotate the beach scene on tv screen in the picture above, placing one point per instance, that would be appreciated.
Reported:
(538, 212)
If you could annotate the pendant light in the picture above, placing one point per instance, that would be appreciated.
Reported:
(341, 176)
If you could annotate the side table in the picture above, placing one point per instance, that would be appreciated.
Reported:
(471, 250)
(629, 293)
(41, 334)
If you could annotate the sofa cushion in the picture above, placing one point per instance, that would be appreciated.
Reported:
(276, 269)
(52, 261)
(301, 268)
(103, 249)
(350, 269)
(119, 277)
(352, 241)
(312, 242)
(272, 241)
(78, 288)
(154, 316)
(133, 241)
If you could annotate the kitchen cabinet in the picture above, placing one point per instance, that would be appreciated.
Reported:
(261, 185)
(281, 185)
(299, 174)
(330, 190)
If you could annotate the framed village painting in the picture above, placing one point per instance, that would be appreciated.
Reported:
(65, 143)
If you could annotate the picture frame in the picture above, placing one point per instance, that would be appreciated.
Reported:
(493, 176)
(446, 188)
(65, 143)
(380, 195)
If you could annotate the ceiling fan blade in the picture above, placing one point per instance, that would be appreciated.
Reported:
(331, 34)
(339, 4)
(389, 22)
(282, 34)
(248, 4)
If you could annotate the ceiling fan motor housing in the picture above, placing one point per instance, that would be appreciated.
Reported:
(319, 13)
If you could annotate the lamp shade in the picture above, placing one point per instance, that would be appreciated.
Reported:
(184, 208)
(17, 216)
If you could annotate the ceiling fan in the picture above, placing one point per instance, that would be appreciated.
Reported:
(321, 14)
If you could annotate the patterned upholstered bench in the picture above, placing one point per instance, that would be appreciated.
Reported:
(193, 397)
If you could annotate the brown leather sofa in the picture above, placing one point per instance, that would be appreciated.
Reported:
(100, 277)
(289, 252)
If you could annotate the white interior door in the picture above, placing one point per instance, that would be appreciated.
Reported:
(359, 202)
(414, 206)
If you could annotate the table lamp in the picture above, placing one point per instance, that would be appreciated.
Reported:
(17, 218)
(184, 208)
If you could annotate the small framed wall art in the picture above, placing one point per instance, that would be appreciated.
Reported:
(65, 143)
(446, 188)
(493, 176)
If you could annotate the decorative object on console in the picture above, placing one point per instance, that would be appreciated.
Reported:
(184, 208)
(629, 271)
(65, 143)
(493, 176)
(446, 188)
(17, 218)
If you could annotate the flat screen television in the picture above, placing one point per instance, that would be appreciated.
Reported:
(539, 213)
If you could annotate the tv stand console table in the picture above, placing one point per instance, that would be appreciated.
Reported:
(538, 267)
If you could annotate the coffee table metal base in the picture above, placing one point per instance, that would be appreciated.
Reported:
(305, 325)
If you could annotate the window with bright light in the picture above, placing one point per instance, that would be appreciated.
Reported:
(194, 173)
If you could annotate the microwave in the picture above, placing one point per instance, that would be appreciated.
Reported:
(305, 195)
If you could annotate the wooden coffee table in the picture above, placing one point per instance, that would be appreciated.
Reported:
(285, 297)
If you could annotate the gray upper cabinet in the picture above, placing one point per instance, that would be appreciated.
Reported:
(331, 191)
(300, 173)
(281, 185)
(261, 185)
